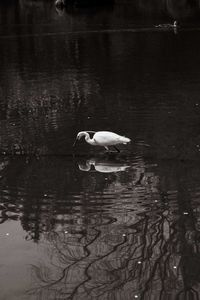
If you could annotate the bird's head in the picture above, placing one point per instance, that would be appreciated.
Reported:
(83, 133)
(79, 136)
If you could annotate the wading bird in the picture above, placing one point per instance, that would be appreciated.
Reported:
(102, 138)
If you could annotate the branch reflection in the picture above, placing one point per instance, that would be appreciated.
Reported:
(134, 245)
(107, 235)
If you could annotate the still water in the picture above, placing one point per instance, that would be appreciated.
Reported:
(87, 225)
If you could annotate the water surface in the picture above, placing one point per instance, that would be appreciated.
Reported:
(85, 224)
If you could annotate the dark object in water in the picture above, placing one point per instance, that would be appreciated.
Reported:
(167, 26)
(82, 3)
(60, 3)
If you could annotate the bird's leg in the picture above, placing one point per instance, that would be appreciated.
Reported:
(107, 149)
(116, 149)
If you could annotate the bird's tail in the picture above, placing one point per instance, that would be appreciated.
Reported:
(125, 140)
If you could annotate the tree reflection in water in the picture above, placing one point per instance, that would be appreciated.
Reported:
(144, 243)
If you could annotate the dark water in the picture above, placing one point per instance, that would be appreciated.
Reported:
(88, 225)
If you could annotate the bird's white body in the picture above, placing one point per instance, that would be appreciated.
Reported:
(107, 138)
(103, 138)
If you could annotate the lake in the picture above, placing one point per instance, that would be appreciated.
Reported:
(82, 223)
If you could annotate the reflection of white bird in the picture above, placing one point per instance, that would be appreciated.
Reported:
(103, 166)
(103, 138)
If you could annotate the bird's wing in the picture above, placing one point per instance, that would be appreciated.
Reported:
(106, 138)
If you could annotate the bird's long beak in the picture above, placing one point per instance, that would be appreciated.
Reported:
(143, 144)
(75, 142)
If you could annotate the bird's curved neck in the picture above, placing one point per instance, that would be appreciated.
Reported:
(88, 139)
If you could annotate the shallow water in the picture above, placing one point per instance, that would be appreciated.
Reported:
(84, 224)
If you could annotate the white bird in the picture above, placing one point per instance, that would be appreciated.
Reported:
(103, 138)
